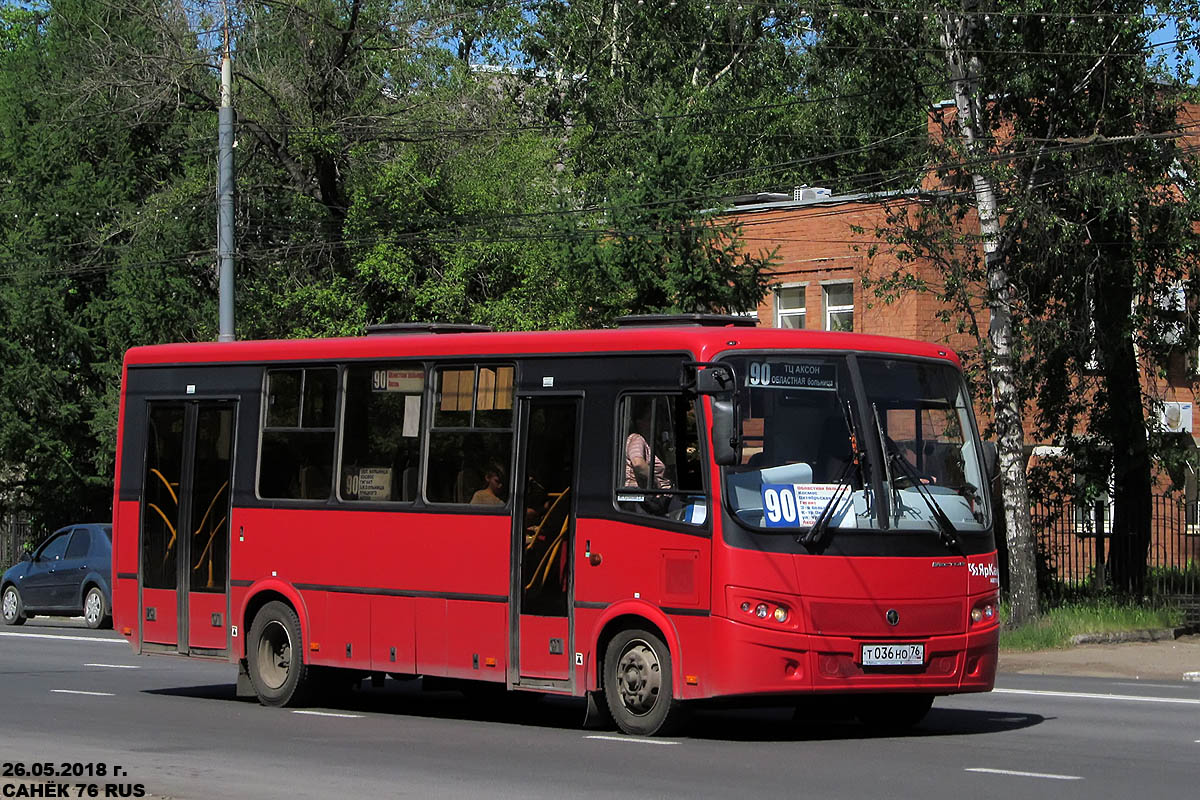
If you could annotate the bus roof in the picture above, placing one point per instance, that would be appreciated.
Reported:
(705, 342)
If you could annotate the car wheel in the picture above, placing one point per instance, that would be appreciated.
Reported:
(10, 602)
(638, 685)
(275, 660)
(95, 612)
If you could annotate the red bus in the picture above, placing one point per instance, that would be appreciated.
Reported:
(676, 509)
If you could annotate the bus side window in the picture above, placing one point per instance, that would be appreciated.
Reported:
(470, 443)
(381, 442)
(658, 458)
(296, 462)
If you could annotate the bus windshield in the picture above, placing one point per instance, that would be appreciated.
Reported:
(805, 453)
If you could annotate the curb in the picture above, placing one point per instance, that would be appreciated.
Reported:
(1146, 635)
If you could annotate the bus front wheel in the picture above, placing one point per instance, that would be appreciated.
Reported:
(275, 658)
(638, 685)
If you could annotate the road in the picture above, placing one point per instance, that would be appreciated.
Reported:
(173, 726)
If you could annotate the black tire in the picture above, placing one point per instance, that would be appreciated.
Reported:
(893, 713)
(96, 612)
(13, 608)
(638, 687)
(275, 657)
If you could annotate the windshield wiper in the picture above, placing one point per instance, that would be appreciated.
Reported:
(816, 532)
(947, 533)
(946, 530)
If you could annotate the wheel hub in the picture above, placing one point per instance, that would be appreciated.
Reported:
(10, 604)
(639, 677)
(93, 607)
(274, 655)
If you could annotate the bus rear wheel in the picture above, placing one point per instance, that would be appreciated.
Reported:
(275, 660)
(638, 686)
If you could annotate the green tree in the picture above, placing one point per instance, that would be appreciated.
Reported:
(1064, 143)
(83, 229)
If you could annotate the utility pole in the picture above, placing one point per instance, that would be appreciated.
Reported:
(225, 193)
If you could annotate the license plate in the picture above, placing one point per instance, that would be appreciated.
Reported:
(893, 655)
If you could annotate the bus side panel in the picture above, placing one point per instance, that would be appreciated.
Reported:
(667, 568)
(393, 635)
(696, 658)
(125, 570)
(206, 621)
(430, 627)
(347, 637)
(161, 605)
(476, 636)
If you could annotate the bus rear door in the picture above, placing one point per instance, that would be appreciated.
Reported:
(184, 571)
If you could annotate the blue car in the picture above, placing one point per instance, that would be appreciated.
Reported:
(68, 575)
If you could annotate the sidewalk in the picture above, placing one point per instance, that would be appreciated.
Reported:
(1170, 659)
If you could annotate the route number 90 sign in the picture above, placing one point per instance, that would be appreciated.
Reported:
(795, 505)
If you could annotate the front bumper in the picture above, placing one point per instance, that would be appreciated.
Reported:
(754, 660)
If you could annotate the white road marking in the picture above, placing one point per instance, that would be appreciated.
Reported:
(1045, 775)
(328, 714)
(1146, 685)
(633, 739)
(1186, 701)
(66, 638)
(113, 666)
(76, 691)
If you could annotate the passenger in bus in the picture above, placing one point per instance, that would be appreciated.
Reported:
(493, 484)
(637, 456)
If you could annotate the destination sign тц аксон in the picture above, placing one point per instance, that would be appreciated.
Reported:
(792, 375)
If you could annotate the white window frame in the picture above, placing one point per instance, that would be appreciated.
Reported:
(801, 312)
(828, 309)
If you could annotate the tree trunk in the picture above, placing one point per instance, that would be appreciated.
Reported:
(1123, 423)
(1006, 402)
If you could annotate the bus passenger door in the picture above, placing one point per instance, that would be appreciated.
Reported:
(543, 534)
(185, 525)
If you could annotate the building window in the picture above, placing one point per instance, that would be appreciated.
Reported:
(789, 307)
(839, 307)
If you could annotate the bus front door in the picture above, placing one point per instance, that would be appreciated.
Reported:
(185, 525)
(544, 529)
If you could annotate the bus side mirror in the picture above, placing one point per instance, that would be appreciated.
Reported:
(714, 379)
(991, 460)
(724, 439)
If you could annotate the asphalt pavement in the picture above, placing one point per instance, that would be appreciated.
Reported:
(1053, 728)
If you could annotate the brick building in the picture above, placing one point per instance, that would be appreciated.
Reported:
(822, 243)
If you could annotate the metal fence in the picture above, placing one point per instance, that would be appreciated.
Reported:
(1074, 543)
(16, 537)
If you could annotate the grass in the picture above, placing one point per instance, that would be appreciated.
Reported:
(1057, 625)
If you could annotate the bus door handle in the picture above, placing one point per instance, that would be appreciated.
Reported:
(593, 558)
